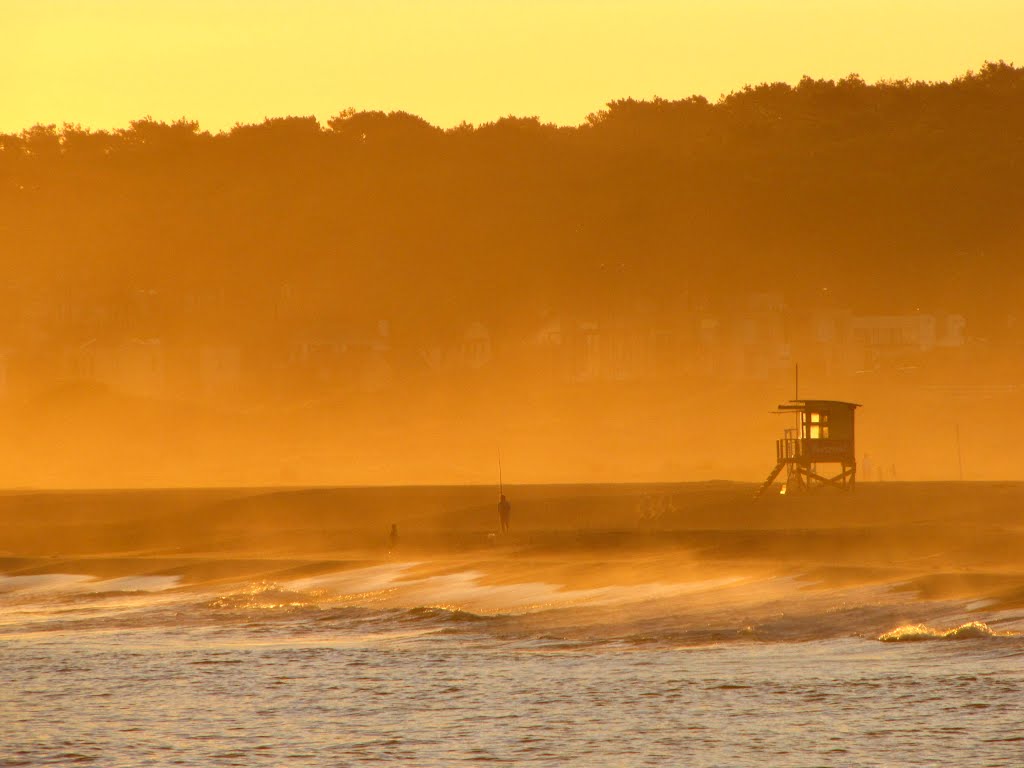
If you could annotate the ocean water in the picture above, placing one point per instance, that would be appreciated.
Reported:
(389, 664)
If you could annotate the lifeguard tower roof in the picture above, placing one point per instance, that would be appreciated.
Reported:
(822, 405)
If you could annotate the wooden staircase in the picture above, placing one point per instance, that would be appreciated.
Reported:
(771, 479)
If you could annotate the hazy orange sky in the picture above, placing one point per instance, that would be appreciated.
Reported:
(102, 63)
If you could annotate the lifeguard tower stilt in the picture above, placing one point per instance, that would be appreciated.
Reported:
(823, 435)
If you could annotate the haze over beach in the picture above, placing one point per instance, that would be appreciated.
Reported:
(564, 383)
(378, 300)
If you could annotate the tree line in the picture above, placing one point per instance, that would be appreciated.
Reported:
(892, 196)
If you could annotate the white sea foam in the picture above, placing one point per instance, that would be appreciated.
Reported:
(78, 583)
(394, 587)
(46, 582)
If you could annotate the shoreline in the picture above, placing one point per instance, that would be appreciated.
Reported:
(938, 540)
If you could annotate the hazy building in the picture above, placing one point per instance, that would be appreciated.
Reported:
(886, 339)
(220, 369)
(342, 356)
(475, 349)
(4, 374)
(131, 367)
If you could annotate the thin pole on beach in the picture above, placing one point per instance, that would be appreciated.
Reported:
(959, 453)
(796, 397)
(501, 488)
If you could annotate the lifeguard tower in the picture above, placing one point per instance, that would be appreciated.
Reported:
(823, 434)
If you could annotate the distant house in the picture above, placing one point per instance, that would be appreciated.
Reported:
(4, 373)
(132, 366)
(624, 348)
(469, 347)
(345, 356)
(895, 332)
(220, 368)
(749, 340)
(827, 342)
(475, 346)
(544, 348)
(887, 338)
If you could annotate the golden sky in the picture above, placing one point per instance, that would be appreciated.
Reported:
(102, 63)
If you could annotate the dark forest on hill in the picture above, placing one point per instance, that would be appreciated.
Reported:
(894, 196)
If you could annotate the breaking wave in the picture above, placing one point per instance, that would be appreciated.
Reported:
(275, 598)
(910, 633)
(444, 614)
(396, 598)
(267, 595)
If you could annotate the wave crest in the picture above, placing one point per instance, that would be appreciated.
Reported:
(918, 632)
(444, 613)
(267, 595)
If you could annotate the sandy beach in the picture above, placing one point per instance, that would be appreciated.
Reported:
(937, 540)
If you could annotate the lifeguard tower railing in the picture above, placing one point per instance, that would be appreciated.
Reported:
(788, 448)
(796, 449)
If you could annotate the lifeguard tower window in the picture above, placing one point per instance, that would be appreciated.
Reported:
(815, 426)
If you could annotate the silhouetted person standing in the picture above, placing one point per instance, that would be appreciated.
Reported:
(504, 513)
(393, 536)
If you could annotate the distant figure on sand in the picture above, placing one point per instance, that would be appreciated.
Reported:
(393, 536)
(504, 513)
